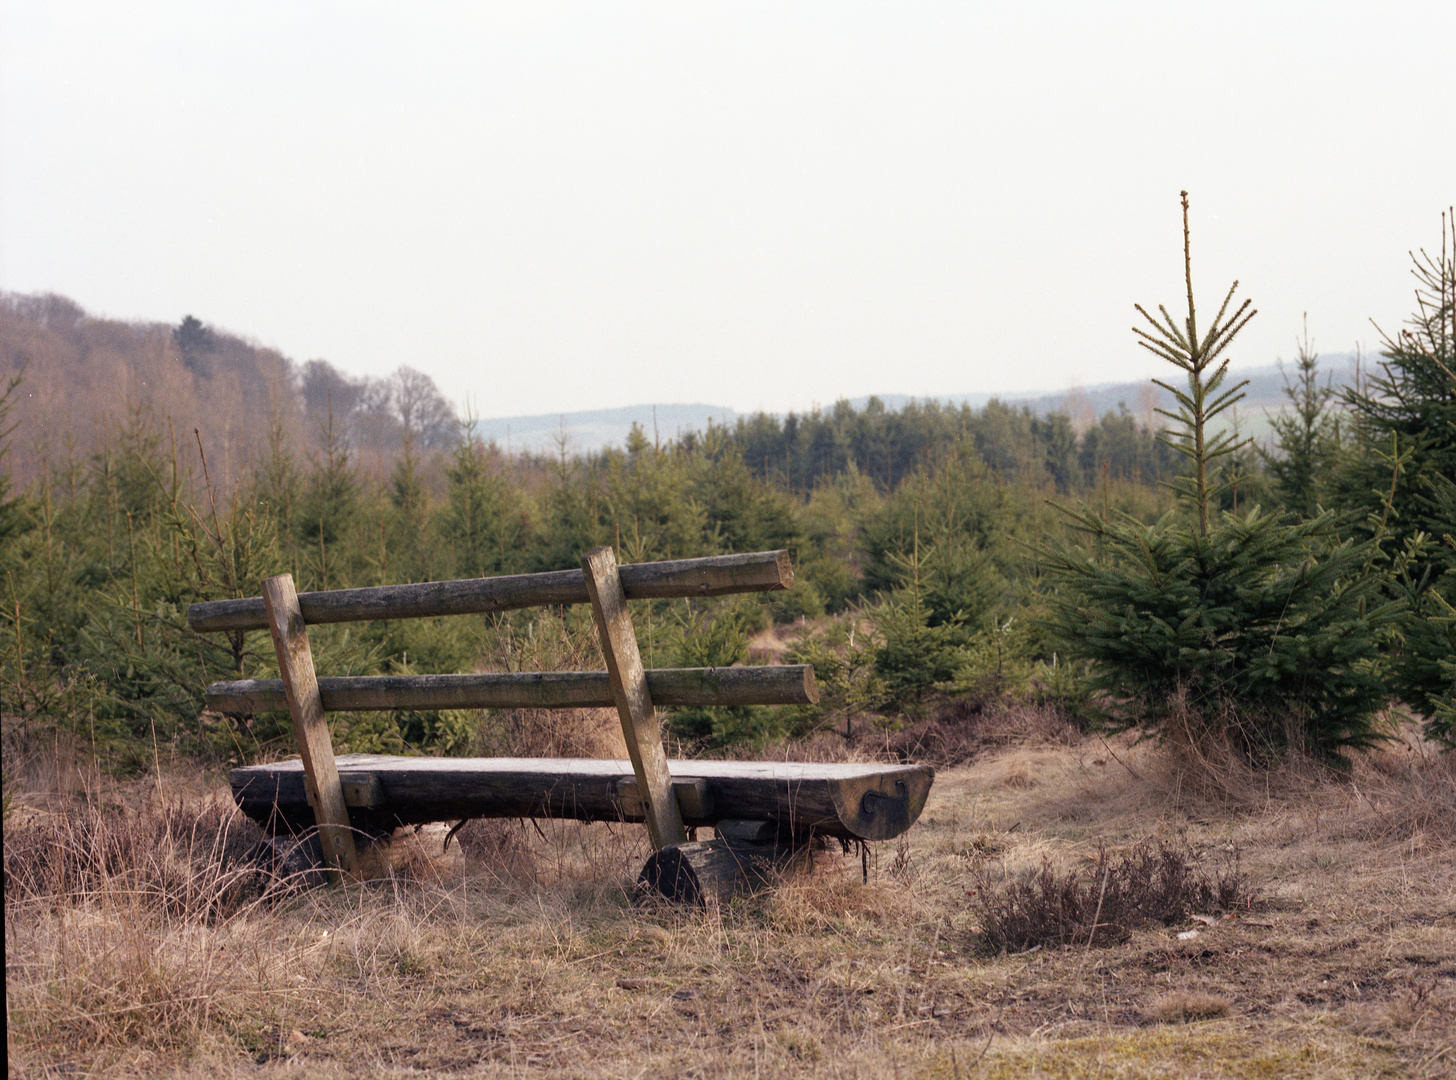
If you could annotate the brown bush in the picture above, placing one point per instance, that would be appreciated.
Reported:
(1154, 883)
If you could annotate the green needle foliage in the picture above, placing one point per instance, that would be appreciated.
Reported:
(1266, 630)
(1401, 476)
(1427, 673)
(1308, 438)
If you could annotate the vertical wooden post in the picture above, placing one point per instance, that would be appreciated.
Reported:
(634, 703)
(300, 686)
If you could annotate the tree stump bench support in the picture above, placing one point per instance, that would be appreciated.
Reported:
(743, 855)
(764, 812)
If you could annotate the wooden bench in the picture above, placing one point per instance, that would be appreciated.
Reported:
(762, 812)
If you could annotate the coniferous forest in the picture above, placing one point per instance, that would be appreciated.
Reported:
(1281, 595)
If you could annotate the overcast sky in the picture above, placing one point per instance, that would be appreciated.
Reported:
(558, 207)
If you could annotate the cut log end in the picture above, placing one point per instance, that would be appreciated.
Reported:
(811, 686)
(882, 806)
(670, 874)
(786, 571)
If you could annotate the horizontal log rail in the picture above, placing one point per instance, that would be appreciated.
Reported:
(717, 575)
(674, 687)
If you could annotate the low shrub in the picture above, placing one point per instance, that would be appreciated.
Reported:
(1103, 903)
(1269, 630)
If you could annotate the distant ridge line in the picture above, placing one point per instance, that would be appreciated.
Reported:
(594, 429)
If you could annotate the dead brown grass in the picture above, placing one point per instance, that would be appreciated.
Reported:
(525, 952)
(964, 729)
(180, 857)
(1404, 795)
(115, 919)
(548, 642)
(1186, 1006)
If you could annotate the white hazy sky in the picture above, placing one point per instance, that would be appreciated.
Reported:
(553, 207)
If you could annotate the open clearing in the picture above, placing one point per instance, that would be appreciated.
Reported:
(527, 954)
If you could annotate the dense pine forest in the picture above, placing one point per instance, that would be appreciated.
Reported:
(942, 553)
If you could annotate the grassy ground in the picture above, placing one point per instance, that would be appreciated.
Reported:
(133, 949)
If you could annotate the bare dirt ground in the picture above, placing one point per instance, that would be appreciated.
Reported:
(527, 954)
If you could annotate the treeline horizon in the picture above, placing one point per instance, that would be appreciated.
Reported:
(86, 380)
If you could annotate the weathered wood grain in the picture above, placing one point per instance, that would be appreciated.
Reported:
(693, 797)
(628, 677)
(851, 801)
(362, 789)
(717, 575)
(300, 688)
(675, 687)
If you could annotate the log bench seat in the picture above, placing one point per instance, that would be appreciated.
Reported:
(801, 799)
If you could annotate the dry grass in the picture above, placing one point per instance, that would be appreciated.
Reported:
(594, 733)
(549, 642)
(1187, 1006)
(965, 729)
(525, 952)
(1405, 795)
(116, 921)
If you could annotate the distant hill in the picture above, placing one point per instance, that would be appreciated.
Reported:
(593, 429)
(1265, 392)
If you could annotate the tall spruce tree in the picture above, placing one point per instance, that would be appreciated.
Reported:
(410, 552)
(1405, 417)
(1412, 400)
(1438, 605)
(13, 519)
(1205, 397)
(1264, 630)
